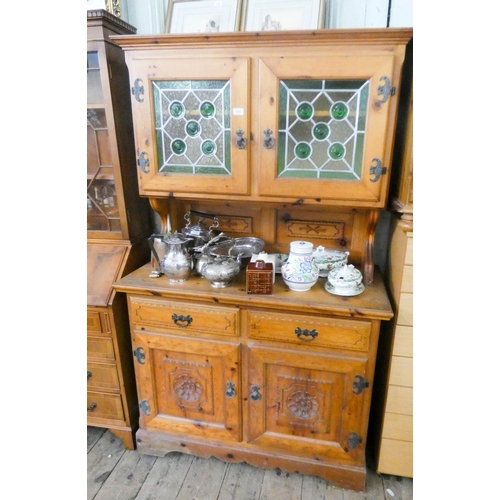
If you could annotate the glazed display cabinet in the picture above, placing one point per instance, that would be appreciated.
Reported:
(283, 136)
(117, 228)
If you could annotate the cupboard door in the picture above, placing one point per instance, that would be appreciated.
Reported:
(188, 387)
(307, 404)
(330, 127)
(189, 112)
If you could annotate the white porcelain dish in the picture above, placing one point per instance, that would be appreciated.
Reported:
(343, 292)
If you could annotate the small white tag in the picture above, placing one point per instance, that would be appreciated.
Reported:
(238, 111)
(390, 492)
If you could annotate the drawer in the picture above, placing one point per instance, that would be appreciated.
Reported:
(100, 405)
(184, 318)
(98, 323)
(100, 348)
(102, 376)
(314, 331)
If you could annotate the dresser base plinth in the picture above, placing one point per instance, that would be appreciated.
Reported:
(339, 475)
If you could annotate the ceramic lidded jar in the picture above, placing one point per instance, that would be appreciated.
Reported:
(327, 260)
(346, 278)
(300, 271)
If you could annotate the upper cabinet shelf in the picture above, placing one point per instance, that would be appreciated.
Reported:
(300, 117)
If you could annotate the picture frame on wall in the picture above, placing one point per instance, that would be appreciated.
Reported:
(203, 16)
(265, 15)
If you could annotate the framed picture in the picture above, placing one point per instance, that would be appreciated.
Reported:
(265, 15)
(202, 16)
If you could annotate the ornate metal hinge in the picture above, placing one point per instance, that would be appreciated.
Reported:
(139, 354)
(138, 90)
(385, 90)
(359, 384)
(352, 441)
(143, 162)
(144, 406)
(377, 170)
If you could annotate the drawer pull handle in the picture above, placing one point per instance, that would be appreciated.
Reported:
(255, 395)
(178, 320)
(89, 374)
(308, 334)
(230, 392)
(92, 407)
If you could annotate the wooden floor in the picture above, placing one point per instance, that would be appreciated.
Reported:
(114, 473)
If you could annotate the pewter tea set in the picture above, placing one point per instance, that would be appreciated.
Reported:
(219, 259)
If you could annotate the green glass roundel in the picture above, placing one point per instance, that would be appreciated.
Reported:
(208, 148)
(178, 146)
(321, 131)
(207, 109)
(304, 111)
(177, 109)
(302, 150)
(336, 151)
(339, 110)
(193, 128)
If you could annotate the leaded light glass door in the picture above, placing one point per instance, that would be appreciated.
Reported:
(196, 139)
(327, 136)
(102, 202)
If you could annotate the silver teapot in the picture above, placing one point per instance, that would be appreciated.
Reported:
(198, 233)
(176, 264)
(221, 270)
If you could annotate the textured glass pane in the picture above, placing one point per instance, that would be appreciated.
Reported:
(321, 128)
(102, 206)
(192, 120)
(303, 84)
(92, 60)
(171, 84)
(94, 87)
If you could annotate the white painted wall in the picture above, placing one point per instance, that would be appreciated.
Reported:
(148, 16)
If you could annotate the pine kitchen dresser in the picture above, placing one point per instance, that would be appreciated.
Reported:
(285, 136)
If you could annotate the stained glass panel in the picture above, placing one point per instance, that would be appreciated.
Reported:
(322, 128)
(193, 126)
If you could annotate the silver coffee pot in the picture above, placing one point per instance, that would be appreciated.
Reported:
(177, 263)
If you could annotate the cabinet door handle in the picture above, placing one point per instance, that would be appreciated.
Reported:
(230, 392)
(92, 407)
(308, 334)
(255, 394)
(89, 374)
(240, 142)
(269, 141)
(179, 320)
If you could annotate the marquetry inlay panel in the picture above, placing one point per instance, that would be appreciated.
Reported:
(235, 224)
(330, 230)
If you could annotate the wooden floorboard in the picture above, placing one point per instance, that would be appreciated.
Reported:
(114, 473)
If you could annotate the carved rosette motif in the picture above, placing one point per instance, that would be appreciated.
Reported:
(188, 388)
(302, 404)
